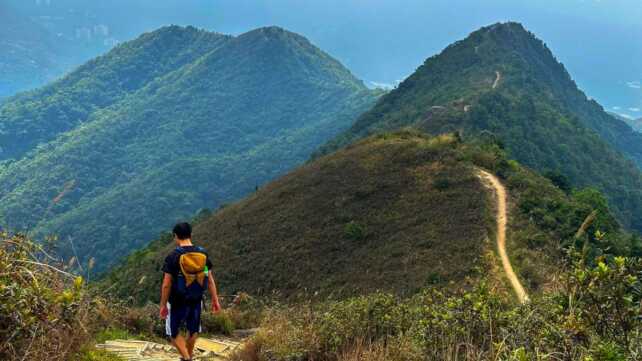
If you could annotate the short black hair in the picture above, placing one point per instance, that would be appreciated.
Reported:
(182, 230)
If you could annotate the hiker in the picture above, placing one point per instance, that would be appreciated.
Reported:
(187, 274)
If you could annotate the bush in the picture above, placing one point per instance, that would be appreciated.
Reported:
(355, 231)
(595, 315)
(45, 311)
(220, 323)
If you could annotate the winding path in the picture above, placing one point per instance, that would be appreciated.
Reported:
(502, 217)
(498, 77)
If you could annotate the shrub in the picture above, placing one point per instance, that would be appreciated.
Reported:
(220, 323)
(441, 183)
(355, 231)
(594, 315)
(45, 311)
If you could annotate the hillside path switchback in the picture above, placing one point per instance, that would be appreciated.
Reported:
(498, 77)
(502, 219)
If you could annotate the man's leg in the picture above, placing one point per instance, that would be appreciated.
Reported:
(193, 326)
(172, 323)
(191, 341)
(181, 346)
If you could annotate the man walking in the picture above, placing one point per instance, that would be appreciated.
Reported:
(187, 274)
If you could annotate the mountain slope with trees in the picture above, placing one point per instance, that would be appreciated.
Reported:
(130, 146)
(37, 117)
(395, 212)
(636, 124)
(502, 82)
(29, 54)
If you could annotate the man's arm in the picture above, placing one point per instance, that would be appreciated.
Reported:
(166, 288)
(216, 306)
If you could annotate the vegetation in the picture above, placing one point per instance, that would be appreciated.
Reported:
(175, 121)
(41, 115)
(395, 213)
(593, 315)
(503, 83)
(49, 313)
(29, 57)
(636, 124)
(45, 312)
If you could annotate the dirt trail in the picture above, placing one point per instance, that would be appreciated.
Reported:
(502, 218)
(498, 78)
(136, 350)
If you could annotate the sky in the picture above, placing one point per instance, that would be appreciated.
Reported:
(383, 41)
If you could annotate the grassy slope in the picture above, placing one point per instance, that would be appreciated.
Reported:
(536, 111)
(394, 212)
(203, 134)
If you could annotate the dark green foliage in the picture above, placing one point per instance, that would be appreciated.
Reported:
(559, 180)
(175, 121)
(503, 83)
(41, 115)
(355, 231)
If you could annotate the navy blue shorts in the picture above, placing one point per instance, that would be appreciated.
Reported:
(188, 314)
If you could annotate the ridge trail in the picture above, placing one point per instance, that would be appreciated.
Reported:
(498, 78)
(502, 217)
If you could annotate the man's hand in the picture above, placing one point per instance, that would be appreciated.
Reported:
(164, 311)
(216, 306)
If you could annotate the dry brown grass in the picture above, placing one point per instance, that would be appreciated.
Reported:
(393, 213)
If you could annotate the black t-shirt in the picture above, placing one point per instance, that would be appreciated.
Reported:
(173, 267)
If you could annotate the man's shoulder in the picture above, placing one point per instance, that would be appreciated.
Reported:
(173, 253)
(172, 256)
(192, 248)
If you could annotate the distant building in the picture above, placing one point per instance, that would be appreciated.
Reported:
(83, 34)
(101, 30)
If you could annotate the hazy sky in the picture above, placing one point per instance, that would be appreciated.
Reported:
(600, 41)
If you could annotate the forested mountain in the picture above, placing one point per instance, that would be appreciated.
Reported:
(39, 116)
(396, 212)
(162, 126)
(636, 124)
(29, 56)
(503, 82)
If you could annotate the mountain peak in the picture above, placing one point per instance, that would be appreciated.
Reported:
(273, 33)
(509, 36)
(504, 80)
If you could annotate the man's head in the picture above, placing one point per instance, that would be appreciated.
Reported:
(182, 232)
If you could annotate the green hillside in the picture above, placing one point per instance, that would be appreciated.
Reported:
(636, 124)
(394, 212)
(177, 120)
(39, 116)
(29, 53)
(502, 82)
